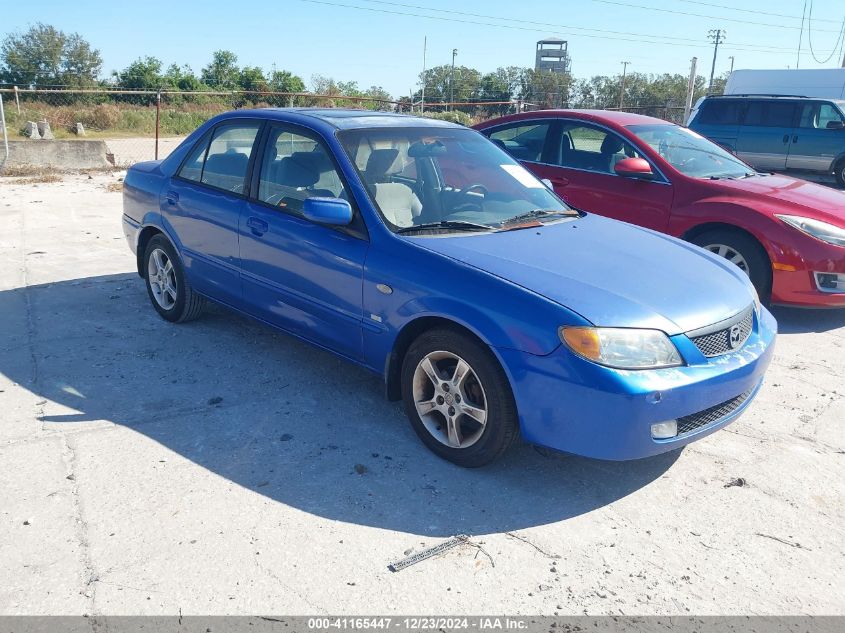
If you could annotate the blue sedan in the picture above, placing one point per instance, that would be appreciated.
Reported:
(420, 250)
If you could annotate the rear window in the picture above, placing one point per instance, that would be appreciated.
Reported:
(720, 112)
(770, 114)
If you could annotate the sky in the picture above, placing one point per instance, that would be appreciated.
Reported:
(381, 43)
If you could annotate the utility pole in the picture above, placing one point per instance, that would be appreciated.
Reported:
(452, 78)
(732, 63)
(422, 94)
(690, 89)
(717, 36)
(622, 91)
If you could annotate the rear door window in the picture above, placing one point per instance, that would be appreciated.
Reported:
(720, 112)
(192, 167)
(770, 114)
(228, 156)
(523, 141)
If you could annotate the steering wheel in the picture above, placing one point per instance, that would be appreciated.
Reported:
(484, 191)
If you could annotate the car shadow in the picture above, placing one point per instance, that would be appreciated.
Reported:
(277, 416)
(806, 320)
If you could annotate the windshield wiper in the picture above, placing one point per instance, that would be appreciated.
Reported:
(459, 225)
(538, 213)
(730, 177)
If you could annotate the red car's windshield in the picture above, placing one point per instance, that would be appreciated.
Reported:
(689, 153)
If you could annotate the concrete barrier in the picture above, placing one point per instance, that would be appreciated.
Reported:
(61, 155)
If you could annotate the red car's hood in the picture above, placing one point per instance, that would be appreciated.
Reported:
(805, 198)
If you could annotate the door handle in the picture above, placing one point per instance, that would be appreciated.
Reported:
(172, 197)
(786, 138)
(561, 182)
(258, 227)
(795, 139)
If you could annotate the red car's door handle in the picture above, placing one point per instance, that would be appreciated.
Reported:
(560, 182)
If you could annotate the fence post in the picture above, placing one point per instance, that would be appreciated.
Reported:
(5, 133)
(17, 101)
(158, 119)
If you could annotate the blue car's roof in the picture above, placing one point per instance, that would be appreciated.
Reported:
(345, 119)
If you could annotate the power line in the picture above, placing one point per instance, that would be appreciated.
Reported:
(752, 11)
(741, 47)
(699, 15)
(567, 27)
(810, 37)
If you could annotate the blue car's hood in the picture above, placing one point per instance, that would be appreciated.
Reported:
(611, 273)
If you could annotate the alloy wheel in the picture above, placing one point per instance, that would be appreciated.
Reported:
(450, 399)
(162, 279)
(729, 253)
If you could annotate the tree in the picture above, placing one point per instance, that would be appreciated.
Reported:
(252, 79)
(545, 89)
(223, 72)
(142, 74)
(183, 78)
(438, 86)
(45, 56)
(284, 81)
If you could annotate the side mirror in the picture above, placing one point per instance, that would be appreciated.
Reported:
(333, 211)
(835, 125)
(634, 168)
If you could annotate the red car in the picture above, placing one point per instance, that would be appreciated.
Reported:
(787, 234)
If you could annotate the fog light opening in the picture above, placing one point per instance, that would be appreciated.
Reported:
(664, 430)
(830, 282)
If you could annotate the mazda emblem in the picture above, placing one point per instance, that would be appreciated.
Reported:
(735, 336)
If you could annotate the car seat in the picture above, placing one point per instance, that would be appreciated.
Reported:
(397, 201)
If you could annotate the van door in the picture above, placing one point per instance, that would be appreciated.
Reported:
(766, 133)
(814, 145)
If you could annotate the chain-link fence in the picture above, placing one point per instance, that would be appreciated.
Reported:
(144, 125)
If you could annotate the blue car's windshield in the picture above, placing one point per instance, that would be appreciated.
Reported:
(447, 179)
(690, 153)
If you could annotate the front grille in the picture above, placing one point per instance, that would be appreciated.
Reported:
(719, 342)
(690, 423)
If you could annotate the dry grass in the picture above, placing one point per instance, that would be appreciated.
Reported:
(37, 180)
(17, 171)
(114, 187)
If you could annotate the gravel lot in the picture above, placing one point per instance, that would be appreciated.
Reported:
(221, 467)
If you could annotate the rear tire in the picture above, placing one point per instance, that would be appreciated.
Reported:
(167, 286)
(458, 398)
(742, 250)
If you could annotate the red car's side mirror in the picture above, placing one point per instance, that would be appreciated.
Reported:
(634, 168)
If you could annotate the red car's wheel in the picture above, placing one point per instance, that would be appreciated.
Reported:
(743, 251)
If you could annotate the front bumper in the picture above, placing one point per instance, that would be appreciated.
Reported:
(131, 230)
(794, 268)
(570, 404)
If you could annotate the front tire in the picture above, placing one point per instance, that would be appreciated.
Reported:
(168, 288)
(458, 398)
(743, 251)
(839, 170)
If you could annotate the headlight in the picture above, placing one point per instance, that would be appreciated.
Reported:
(622, 348)
(823, 231)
